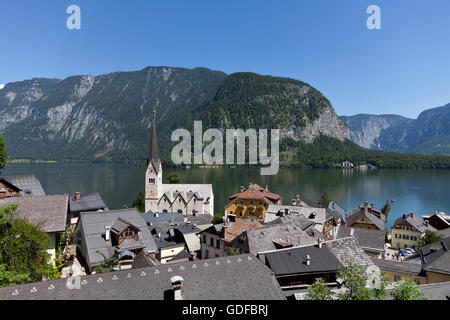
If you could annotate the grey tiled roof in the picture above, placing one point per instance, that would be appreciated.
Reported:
(175, 218)
(414, 221)
(259, 240)
(436, 256)
(436, 291)
(129, 244)
(366, 238)
(92, 227)
(214, 279)
(26, 183)
(318, 213)
(49, 210)
(348, 248)
(87, 202)
(396, 266)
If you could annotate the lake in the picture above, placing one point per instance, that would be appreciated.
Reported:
(418, 191)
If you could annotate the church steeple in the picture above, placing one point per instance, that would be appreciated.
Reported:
(153, 156)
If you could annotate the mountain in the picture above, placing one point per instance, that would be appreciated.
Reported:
(428, 134)
(108, 117)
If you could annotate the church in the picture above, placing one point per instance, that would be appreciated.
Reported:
(192, 199)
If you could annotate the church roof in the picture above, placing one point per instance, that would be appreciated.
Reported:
(153, 156)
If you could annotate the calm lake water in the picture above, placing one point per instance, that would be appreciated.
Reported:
(421, 192)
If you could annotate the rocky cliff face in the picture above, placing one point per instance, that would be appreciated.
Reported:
(108, 117)
(428, 134)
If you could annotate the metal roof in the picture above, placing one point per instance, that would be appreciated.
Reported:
(213, 279)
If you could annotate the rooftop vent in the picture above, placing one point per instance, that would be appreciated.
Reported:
(177, 284)
(308, 259)
(27, 191)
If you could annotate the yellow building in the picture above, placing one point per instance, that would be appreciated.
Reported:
(251, 203)
(407, 231)
(395, 270)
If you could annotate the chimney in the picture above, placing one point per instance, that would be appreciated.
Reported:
(267, 188)
(107, 233)
(411, 214)
(308, 259)
(426, 223)
(242, 188)
(404, 216)
(224, 229)
(366, 203)
(159, 234)
(371, 205)
(156, 214)
(294, 202)
(77, 196)
(319, 242)
(177, 284)
(286, 211)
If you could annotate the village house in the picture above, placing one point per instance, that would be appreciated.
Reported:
(185, 199)
(439, 220)
(250, 203)
(20, 186)
(407, 231)
(395, 270)
(435, 259)
(84, 203)
(299, 267)
(121, 232)
(49, 211)
(372, 241)
(216, 239)
(366, 216)
(213, 279)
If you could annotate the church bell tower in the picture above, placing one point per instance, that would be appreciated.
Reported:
(153, 174)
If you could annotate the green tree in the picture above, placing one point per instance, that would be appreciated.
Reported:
(407, 289)
(108, 264)
(356, 283)
(173, 178)
(319, 291)
(429, 237)
(23, 255)
(139, 202)
(218, 218)
(324, 200)
(386, 209)
(232, 251)
(3, 153)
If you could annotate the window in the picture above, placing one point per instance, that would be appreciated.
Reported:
(397, 278)
(206, 254)
(152, 181)
(217, 243)
(231, 212)
(211, 242)
(204, 239)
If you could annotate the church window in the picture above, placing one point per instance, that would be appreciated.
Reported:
(152, 181)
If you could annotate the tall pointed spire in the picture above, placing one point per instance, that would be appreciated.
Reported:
(154, 150)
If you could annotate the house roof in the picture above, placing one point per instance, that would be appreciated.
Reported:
(399, 267)
(334, 210)
(436, 256)
(51, 210)
(327, 258)
(92, 225)
(259, 240)
(413, 221)
(29, 185)
(129, 244)
(293, 261)
(214, 279)
(120, 225)
(87, 202)
(366, 238)
(436, 291)
(368, 212)
(255, 191)
(235, 229)
(157, 218)
(201, 191)
(314, 214)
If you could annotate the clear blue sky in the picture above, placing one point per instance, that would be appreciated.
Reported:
(403, 68)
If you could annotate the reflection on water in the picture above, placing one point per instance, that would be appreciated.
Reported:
(422, 191)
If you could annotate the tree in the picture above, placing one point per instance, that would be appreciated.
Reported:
(324, 200)
(429, 237)
(232, 251)
(23, 255)
(407, 290)
(3, 153)
(173, 178)
(386, 209)
(357, 285)
(319, 291)
(139, 202)
(108, 264)
(218, 218)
